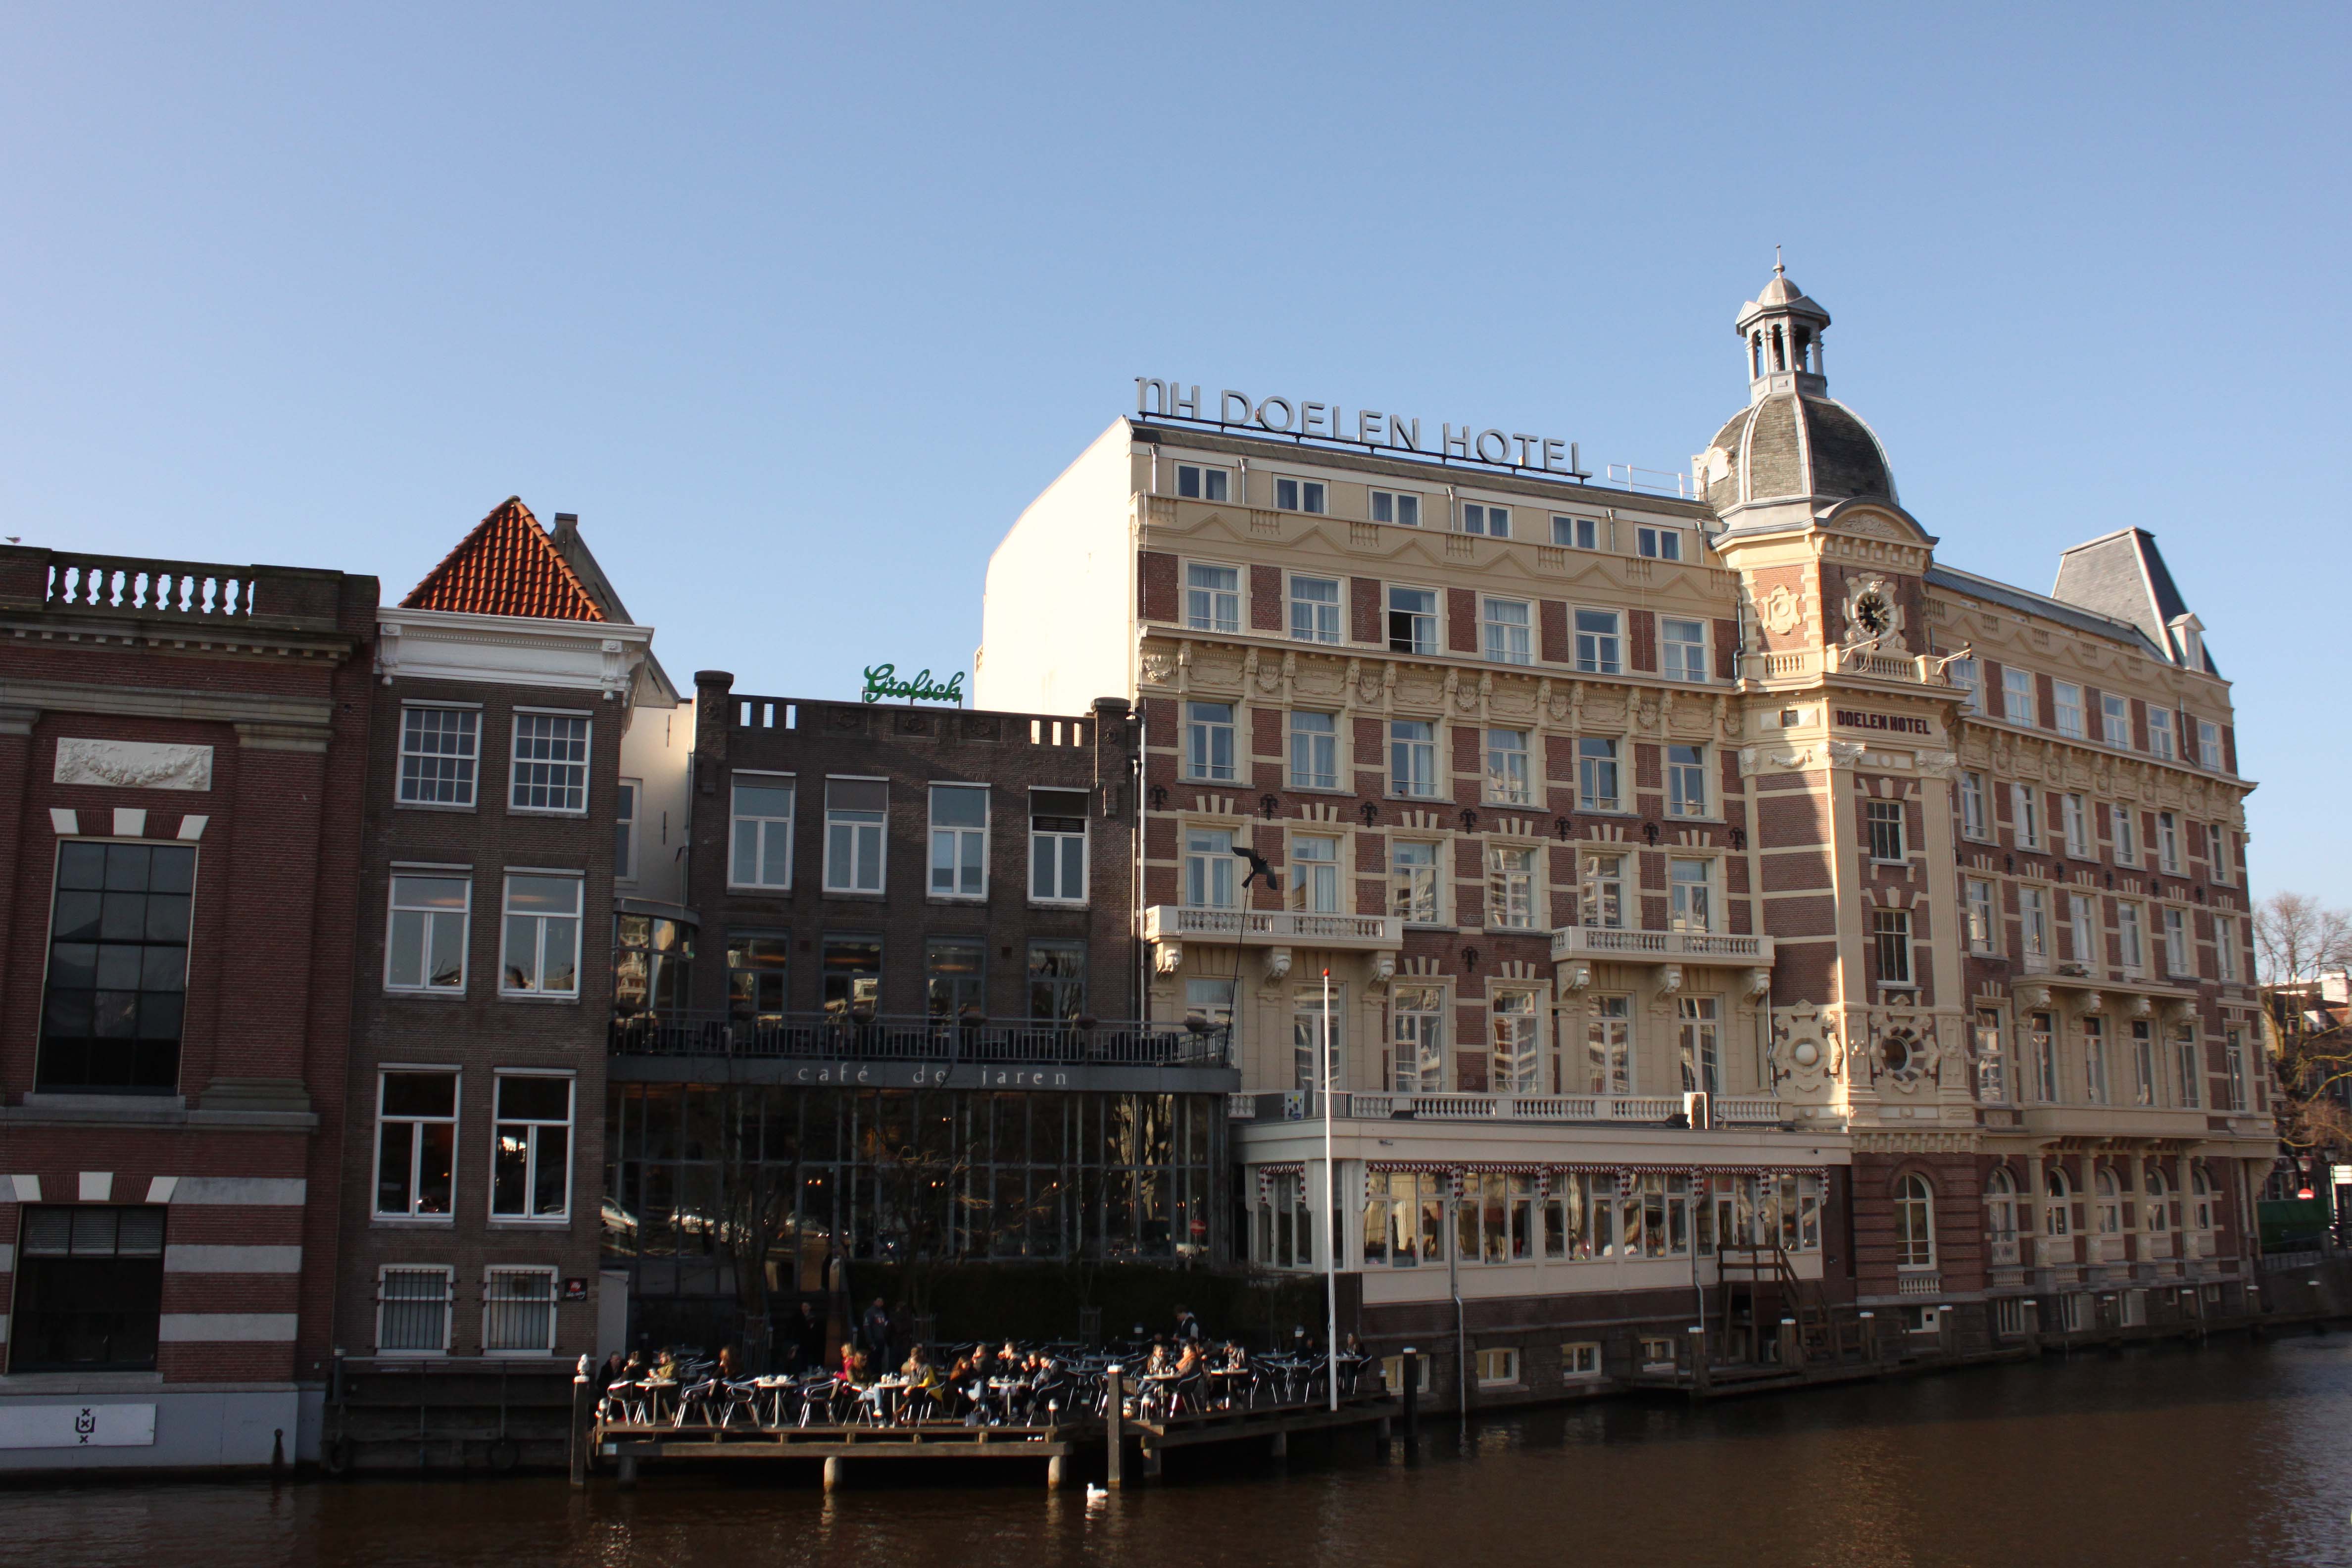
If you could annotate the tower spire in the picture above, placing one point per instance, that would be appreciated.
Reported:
(1781, 330)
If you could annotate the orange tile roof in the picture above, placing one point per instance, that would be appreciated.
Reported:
(506, 566)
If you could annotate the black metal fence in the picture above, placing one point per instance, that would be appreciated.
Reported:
(836, 1038)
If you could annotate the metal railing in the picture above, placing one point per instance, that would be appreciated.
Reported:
(836, 1037)
(1664, 947)
(1650, 1109)
(1163, 921)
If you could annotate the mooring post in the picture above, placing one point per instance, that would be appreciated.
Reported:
(1115, 1433)
(836, 1472)
(582, 1408)
(1054, 1474)
(628, 1468)
(1409, 1374)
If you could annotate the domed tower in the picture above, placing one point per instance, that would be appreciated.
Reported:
(1793, 446)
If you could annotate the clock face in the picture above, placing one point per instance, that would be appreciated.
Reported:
(1870, 613)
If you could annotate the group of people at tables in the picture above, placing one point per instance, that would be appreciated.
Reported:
(1180, 1373)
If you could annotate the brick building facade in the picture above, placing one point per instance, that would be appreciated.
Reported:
(182, 748)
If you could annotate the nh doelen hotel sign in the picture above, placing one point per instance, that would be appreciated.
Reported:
(1369, 427)
(1902, 723)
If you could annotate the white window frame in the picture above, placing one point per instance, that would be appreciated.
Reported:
(1886, 815)
(2168, 843)
(508, 916)
(2225, 950)
(1891, 933)
(1698, 1026)
(1293, 493)
(2209, 745)
(2131, 936)
(1570, 532)
(1515, 1024)
(2162, 739)
(1609, 1057)
(516, 761)
(430, 915)
(416, 1146)
(2036, 946)
(1511, 887)
(1419, 1028)
(534, 1126)
(1508, 780)
(628, 805)
(1404, 751)
(1434, 615)
(2220, 858)
(1205, 479)
(448, 1303)
(1208, 605)
(1598, 650)
(2083, 929)
(2179, 953)
(1656, 543)
(1316, 620)
(1208, 879)
(2114, 720)
(1691, 901)
(1601, 900)
(2122, 824)
(1507, 641)
(1498, 1367)
(471, 756)
(2097, 1085)
(1588, 773)
(2025, 805)
(1975, 821)
(2066, 709)
(2075, 814)
(956, 845)
(760, 827)
(2144, 1063)
(1992, 1059)
(1487, 518)
(2017, 697)
(1417, 893)
(1984, 920)
(1320, 892)
(1914, 1223)
(1202, 729)
(2189, 1059)
(1968, 675)
(1579, 1362)
(1065, 844)
(1401, 507)
(1684, 658)
(497, 1271)
(1304, 746)
(1687, 781)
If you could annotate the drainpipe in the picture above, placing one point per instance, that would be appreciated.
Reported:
(1454, 1289)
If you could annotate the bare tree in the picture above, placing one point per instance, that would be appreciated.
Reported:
(2295, 938)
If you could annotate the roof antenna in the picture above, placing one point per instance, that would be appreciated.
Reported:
(1777, 268)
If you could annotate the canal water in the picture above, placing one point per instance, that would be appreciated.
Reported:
(2236, 1453)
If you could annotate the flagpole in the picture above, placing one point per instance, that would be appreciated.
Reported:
(1332, 1202)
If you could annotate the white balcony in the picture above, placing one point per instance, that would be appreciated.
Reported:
(1648, 1110)
(1273, 928)
(1599, 943)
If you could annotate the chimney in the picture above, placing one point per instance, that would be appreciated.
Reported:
(2335, 985)
(566, 533)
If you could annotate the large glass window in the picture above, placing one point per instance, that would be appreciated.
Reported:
(1413, 757)
(2190, 1064)
(1914, 1223)
(2041, 1043)
(440, 749)
(1412, 881)
(1609, 1045)
(1686, 794)
(2160, 735)
(1404, 1219)
(1313, 750)
(1517, 1017)
(2130, 937)
(1315, 873)
(1507, 781)
(1576, 532)
(1209, 868)
(1701, 1023)
(1891, 935)
(959, 841)
(1598, 639)
(2066, 707)
(853, 974)
(1057, 846)
(1316, 1035)
(2026, 807)
(1682, 648)
(652, 964)
(1315, 609)
(1992, 1058)
(118, 971)
(1973, 824)
(425, 949)
(1479, 517)
(1596, 773)
(1212, 598)
(1298, 495)
(760, 846)
(1511, 888)
(415, 1144)
(759, 966)
(2143, 1047)
(1604, 892)
(955, 976)
(551, 762)
(2033, 925)
(1413, 620)
(2124, 828)
(2114, 720)
(1417, 1022)
(2209, 745)
(542, 942)
(2094, 1060)
(1398, 507)
(2017, 697)
(1209, 740)
(530, 1165)
(89, 1289)
(2075, 825)
(1057, 980)
(1200, 483)
(1886, 822)
(1507, 632)
(1983, 933)
(856, 838)
(1690, 889)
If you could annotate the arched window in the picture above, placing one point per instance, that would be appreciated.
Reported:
(2109, 1203)
(2000, 1210)
(2201, 1199)
(1914, 1223)
(1755, 354)
(2163, 1208)
(2061, 1196)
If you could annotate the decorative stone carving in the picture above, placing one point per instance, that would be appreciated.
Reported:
(1575, 977)
(1759, 983)
(1872, 615)
(1670, 979)
(2034, 998)
(2089, 1002)
(1780, 611)
(133, 764)
(1159, 669)
(1167, 957)
(2142, 1007)
(1383, 968)
(1804, 1055)
(1277, 964)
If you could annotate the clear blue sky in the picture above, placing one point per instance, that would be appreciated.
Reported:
(797, 305)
